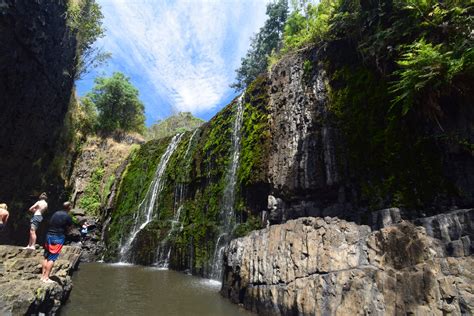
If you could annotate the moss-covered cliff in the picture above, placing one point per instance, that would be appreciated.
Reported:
(300, 155)
(195, 181)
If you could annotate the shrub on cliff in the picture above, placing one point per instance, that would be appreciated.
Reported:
(85, 19)
(178, 123)
(118, 105)
(267, 40)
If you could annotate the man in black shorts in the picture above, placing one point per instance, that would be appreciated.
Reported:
(58, 225)
(38, 210)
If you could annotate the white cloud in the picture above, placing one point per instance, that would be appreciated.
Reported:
(187, 50)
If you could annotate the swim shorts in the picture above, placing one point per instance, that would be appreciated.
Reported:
(53, 246)
(36, 221)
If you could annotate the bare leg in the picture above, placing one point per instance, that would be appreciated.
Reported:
(43, 268)
(47, 269)
(32, 241)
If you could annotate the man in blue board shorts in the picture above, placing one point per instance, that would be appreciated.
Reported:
(58, 225)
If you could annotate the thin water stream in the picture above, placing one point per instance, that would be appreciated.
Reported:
(227, 212)
(111, 289)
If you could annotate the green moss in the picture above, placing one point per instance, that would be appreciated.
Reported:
(133, 186)
(107, 187)
(391, 158)
(195, 180)
(251, 224)
(91, 199)
(255, 142)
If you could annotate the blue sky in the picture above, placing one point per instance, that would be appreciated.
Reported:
(180, 54)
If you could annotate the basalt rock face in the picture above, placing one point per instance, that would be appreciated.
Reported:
(311, 170)
(21, 290)
(454, 229)
(316, 266)
(304, 170)
(37, 59)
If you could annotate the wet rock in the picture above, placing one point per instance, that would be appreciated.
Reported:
(21, 290)
(316, 266)
(304, 165)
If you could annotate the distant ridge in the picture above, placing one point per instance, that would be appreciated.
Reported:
(180, 122)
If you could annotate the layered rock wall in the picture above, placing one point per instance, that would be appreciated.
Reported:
(303, 168)
(316, 266)
(311, 170)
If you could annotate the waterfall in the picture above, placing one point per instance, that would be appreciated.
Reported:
(227, 215)
(144, 214)
(163, 253)
(190, 144)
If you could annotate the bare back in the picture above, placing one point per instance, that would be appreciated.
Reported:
(39, 207)
(3, 216)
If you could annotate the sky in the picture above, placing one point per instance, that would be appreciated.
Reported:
(180, 54)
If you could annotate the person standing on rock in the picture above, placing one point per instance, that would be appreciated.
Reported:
(38, 210)
(59, 224)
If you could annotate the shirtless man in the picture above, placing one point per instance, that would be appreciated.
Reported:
(3, 216)
(37, 209)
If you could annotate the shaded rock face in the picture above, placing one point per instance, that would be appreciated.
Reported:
(36, 79)
(309, 164)
(303, 169)
(22, 292)
(316, 266)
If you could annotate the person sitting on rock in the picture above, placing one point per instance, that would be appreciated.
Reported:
(59, 223)
(84, 230)
(3, 216)
(37, 209)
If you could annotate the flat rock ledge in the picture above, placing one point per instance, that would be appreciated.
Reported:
(328, 266)
(21, 290)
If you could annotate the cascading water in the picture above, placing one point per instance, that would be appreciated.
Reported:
(144, 214)
(163, 252)
(227, 215)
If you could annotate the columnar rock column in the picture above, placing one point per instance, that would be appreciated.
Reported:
(316, 266)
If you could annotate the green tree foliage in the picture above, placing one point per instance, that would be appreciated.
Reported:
(118, 104)
(89, 119)
(85, 19)
(424, 45)
(266, 41)
(425, 70)
(308, 23)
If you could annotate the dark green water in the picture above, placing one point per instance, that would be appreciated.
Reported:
(105, 289)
